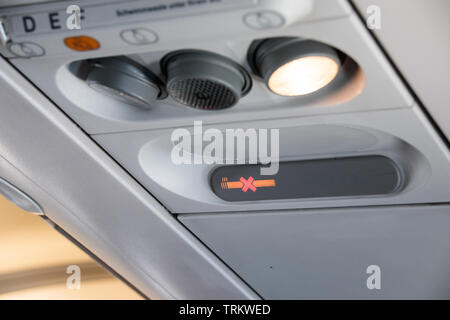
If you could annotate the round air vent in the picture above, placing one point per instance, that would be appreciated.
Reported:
(204, 80)
(125, 80)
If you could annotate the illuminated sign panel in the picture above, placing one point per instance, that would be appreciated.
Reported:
(246, 184)
(324, 178)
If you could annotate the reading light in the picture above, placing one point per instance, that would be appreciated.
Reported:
(292, 66)
(125, 80)
(204, 80)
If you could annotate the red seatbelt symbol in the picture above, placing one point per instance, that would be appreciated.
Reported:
(248, 184)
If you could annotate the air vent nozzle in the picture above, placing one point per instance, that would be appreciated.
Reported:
(204, 80)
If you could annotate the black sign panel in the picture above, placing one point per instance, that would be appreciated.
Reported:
(324, 178)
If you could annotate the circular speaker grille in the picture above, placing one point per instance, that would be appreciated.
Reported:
(202, 94)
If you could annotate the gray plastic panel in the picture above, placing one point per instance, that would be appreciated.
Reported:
(426, 65)
(87, 194)
(373, 86)
(11, 3)
(405, 136)
(18, 197)
(324, 254)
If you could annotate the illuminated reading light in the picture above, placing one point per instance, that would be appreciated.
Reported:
(291, 66)
(303, 76)
(246, 184)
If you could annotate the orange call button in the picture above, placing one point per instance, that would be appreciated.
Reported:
(82, 43)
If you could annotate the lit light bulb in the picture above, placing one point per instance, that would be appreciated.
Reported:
(303, 76)
(292, 66)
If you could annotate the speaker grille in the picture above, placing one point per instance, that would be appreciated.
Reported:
(202, 94)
